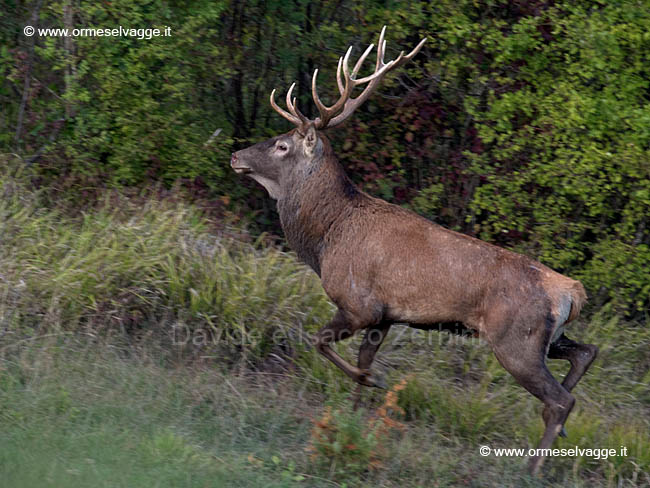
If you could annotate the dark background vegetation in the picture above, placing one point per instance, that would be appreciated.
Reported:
(525, 123)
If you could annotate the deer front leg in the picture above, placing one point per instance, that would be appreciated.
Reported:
(337, 329)
(369, 347)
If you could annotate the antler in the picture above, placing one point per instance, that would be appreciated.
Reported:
(347, 81)
(295, 117)
(345, 106)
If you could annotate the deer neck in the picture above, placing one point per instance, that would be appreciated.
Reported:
(315, 200)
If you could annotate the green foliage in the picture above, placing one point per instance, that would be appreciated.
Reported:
(140, 109)
(524, 123)
(128, 265)
(566, 158)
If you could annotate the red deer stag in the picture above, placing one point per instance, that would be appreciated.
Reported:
(382, 264)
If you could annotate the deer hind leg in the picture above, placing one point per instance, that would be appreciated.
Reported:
(339, 328)
(530, 371)
(579, 355)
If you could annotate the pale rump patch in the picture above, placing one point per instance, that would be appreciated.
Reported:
(567, 298)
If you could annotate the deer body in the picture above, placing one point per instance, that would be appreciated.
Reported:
(381, 264)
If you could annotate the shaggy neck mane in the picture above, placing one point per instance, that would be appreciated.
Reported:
(315, 199)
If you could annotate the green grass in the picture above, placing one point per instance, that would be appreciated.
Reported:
(83, 412)
(147, 266)
(94, 391)
(85, 416)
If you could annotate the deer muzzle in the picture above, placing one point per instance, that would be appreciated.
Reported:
(238, 166)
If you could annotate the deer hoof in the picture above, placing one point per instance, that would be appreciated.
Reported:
(368, 379)
(563, 432)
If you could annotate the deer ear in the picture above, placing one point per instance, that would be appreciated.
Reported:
(311, 142)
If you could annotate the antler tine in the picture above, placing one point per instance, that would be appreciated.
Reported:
(288, 98)
(290, 117)
(343, 66)
(381, 49)
(293, 108)
(377, 74)
(300, 115)
(326, 113)
(402, 58)
(338, 77)
(346, 67)
(319, 105)
(416, 49)
(361, 60)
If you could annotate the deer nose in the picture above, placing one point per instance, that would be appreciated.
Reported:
(233, 159)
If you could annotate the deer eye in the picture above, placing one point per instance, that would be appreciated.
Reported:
(282, 146)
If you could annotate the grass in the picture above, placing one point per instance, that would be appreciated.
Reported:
(85, 416)
(139, 347)
(147, 266)
(78, 411)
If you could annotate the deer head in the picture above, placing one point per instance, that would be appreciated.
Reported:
(277, 161)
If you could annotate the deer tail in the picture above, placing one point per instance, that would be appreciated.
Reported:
(578, 299)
